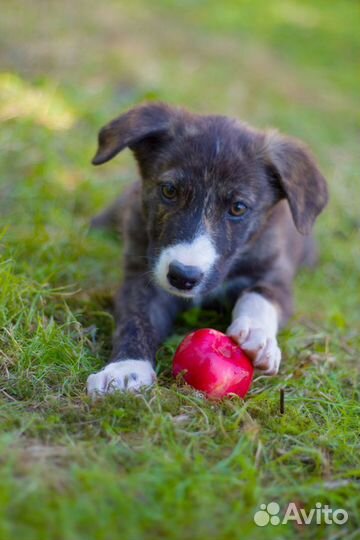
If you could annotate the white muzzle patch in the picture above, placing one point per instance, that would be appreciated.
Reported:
(200, 253)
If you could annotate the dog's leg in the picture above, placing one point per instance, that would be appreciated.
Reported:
(144, 316)
(255, 322)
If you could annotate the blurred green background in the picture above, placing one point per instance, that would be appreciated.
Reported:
(168, 464)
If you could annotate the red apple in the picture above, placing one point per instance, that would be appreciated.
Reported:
(213, 363)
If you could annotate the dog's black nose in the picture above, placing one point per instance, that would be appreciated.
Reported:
(183, 277)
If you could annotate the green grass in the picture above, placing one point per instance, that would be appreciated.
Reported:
(168, 464)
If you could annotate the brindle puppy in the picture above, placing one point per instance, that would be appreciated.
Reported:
(221, 209)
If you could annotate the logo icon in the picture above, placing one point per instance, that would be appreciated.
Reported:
(267, 514)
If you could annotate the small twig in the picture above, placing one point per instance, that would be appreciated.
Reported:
(7, 395)
(282, 400)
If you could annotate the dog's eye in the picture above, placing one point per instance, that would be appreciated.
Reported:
(168, 191)
(238, 209)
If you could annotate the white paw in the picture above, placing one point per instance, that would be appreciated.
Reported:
(261, 347)
(125, 375)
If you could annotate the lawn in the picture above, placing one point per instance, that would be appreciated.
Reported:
(168, 463)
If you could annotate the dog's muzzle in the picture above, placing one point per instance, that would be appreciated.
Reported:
(181, 269)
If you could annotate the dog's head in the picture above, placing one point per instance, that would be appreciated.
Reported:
(209, 184)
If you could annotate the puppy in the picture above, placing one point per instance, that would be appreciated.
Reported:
(222, 211)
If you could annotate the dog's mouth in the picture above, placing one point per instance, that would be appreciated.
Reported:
(193, 293)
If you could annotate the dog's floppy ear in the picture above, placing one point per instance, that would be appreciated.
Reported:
(131, 128)
(293, 166)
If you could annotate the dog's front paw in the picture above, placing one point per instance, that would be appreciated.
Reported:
(125, 375)
(261, 348)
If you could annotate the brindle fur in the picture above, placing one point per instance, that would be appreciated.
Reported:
(212, 159)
